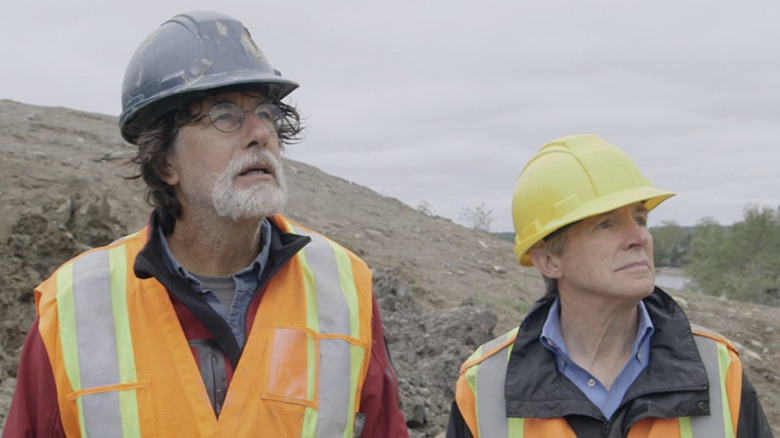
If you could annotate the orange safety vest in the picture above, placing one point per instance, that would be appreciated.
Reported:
(123, 367)
(479, 394)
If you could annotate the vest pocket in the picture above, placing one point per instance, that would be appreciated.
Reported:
(73, 396)
(292, 368)
(113, 410)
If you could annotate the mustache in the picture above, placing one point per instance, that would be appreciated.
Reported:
(258, 157)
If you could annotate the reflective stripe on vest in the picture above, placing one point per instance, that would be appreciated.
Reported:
(718, 424)
(486, 380)
(97, 351)
(98, 354)
(331, 288)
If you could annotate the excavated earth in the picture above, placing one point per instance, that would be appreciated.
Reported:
(443, 289)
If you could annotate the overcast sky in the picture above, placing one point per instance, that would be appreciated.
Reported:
(444, 101)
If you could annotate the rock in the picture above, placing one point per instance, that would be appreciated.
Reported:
(416, 418)
(6, 228)
(374, 233)
(681, 301)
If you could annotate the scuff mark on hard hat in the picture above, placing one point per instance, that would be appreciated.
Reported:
(221, 28)
(139, 77)
(179, 76)
(204, 68)
(250, 46)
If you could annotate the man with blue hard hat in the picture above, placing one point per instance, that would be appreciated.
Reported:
(221, 317)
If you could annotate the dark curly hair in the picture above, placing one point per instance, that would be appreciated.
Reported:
(156, 141)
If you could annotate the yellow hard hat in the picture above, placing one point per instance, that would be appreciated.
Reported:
(572, 178)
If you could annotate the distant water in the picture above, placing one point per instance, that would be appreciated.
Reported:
(670, 278)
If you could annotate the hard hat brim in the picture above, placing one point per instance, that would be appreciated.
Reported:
(651, 197)
(143, 113)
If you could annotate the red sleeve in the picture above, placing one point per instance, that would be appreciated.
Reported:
(380, 399)
(34, 411)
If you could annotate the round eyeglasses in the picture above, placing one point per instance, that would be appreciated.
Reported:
(228, 117)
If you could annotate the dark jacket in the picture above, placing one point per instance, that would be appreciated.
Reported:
(672, 385)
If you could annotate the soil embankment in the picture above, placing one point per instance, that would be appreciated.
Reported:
(443, 289)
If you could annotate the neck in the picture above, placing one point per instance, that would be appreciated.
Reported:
(599, 337)
(215, 247)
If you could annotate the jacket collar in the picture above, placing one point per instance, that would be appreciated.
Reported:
(534, 388)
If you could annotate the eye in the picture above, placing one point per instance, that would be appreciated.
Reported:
(268, 111)
(606, 223)
(224, 111)
(641, 220)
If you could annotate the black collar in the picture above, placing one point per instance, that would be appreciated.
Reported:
(534, 387)
(149, 263)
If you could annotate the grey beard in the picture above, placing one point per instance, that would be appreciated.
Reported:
(260, 200)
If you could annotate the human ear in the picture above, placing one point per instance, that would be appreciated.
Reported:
(546, 263)
(169, 173)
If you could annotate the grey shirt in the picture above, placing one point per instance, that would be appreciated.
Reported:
(216, 291)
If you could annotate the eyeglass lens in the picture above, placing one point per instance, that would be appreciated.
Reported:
(228, 117)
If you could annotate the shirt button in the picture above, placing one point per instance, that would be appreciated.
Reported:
(591, 383)
(550, 343)
(639, 356)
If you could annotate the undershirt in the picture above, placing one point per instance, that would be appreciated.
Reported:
(245, 284)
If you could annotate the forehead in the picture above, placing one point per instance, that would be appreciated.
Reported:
(635, 208)
(239, 97)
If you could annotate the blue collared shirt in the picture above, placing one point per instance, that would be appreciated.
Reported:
(246, 281)
(607, 400)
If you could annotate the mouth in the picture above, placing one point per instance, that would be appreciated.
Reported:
(257, 169)
(634, 265)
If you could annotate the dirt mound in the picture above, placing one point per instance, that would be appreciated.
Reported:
(442, 289)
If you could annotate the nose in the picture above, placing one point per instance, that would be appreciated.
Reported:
(261, 132)
(636, 235)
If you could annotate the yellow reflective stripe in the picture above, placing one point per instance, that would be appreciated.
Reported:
(312, 322)
(333, 313)
(309, 422)
(128, 401)
(94, 324)
(471, 380)
(724, 361)
(516, 427)
(357, 353)
(66, 317)
(66, 314)
(347, 281)
(312, 319)
(686, 431)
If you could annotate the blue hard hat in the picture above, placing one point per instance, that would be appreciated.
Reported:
(185, 58)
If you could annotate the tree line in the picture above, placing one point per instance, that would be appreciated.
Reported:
(740, 261)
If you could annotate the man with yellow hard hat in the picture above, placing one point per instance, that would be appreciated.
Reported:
(604, 353)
